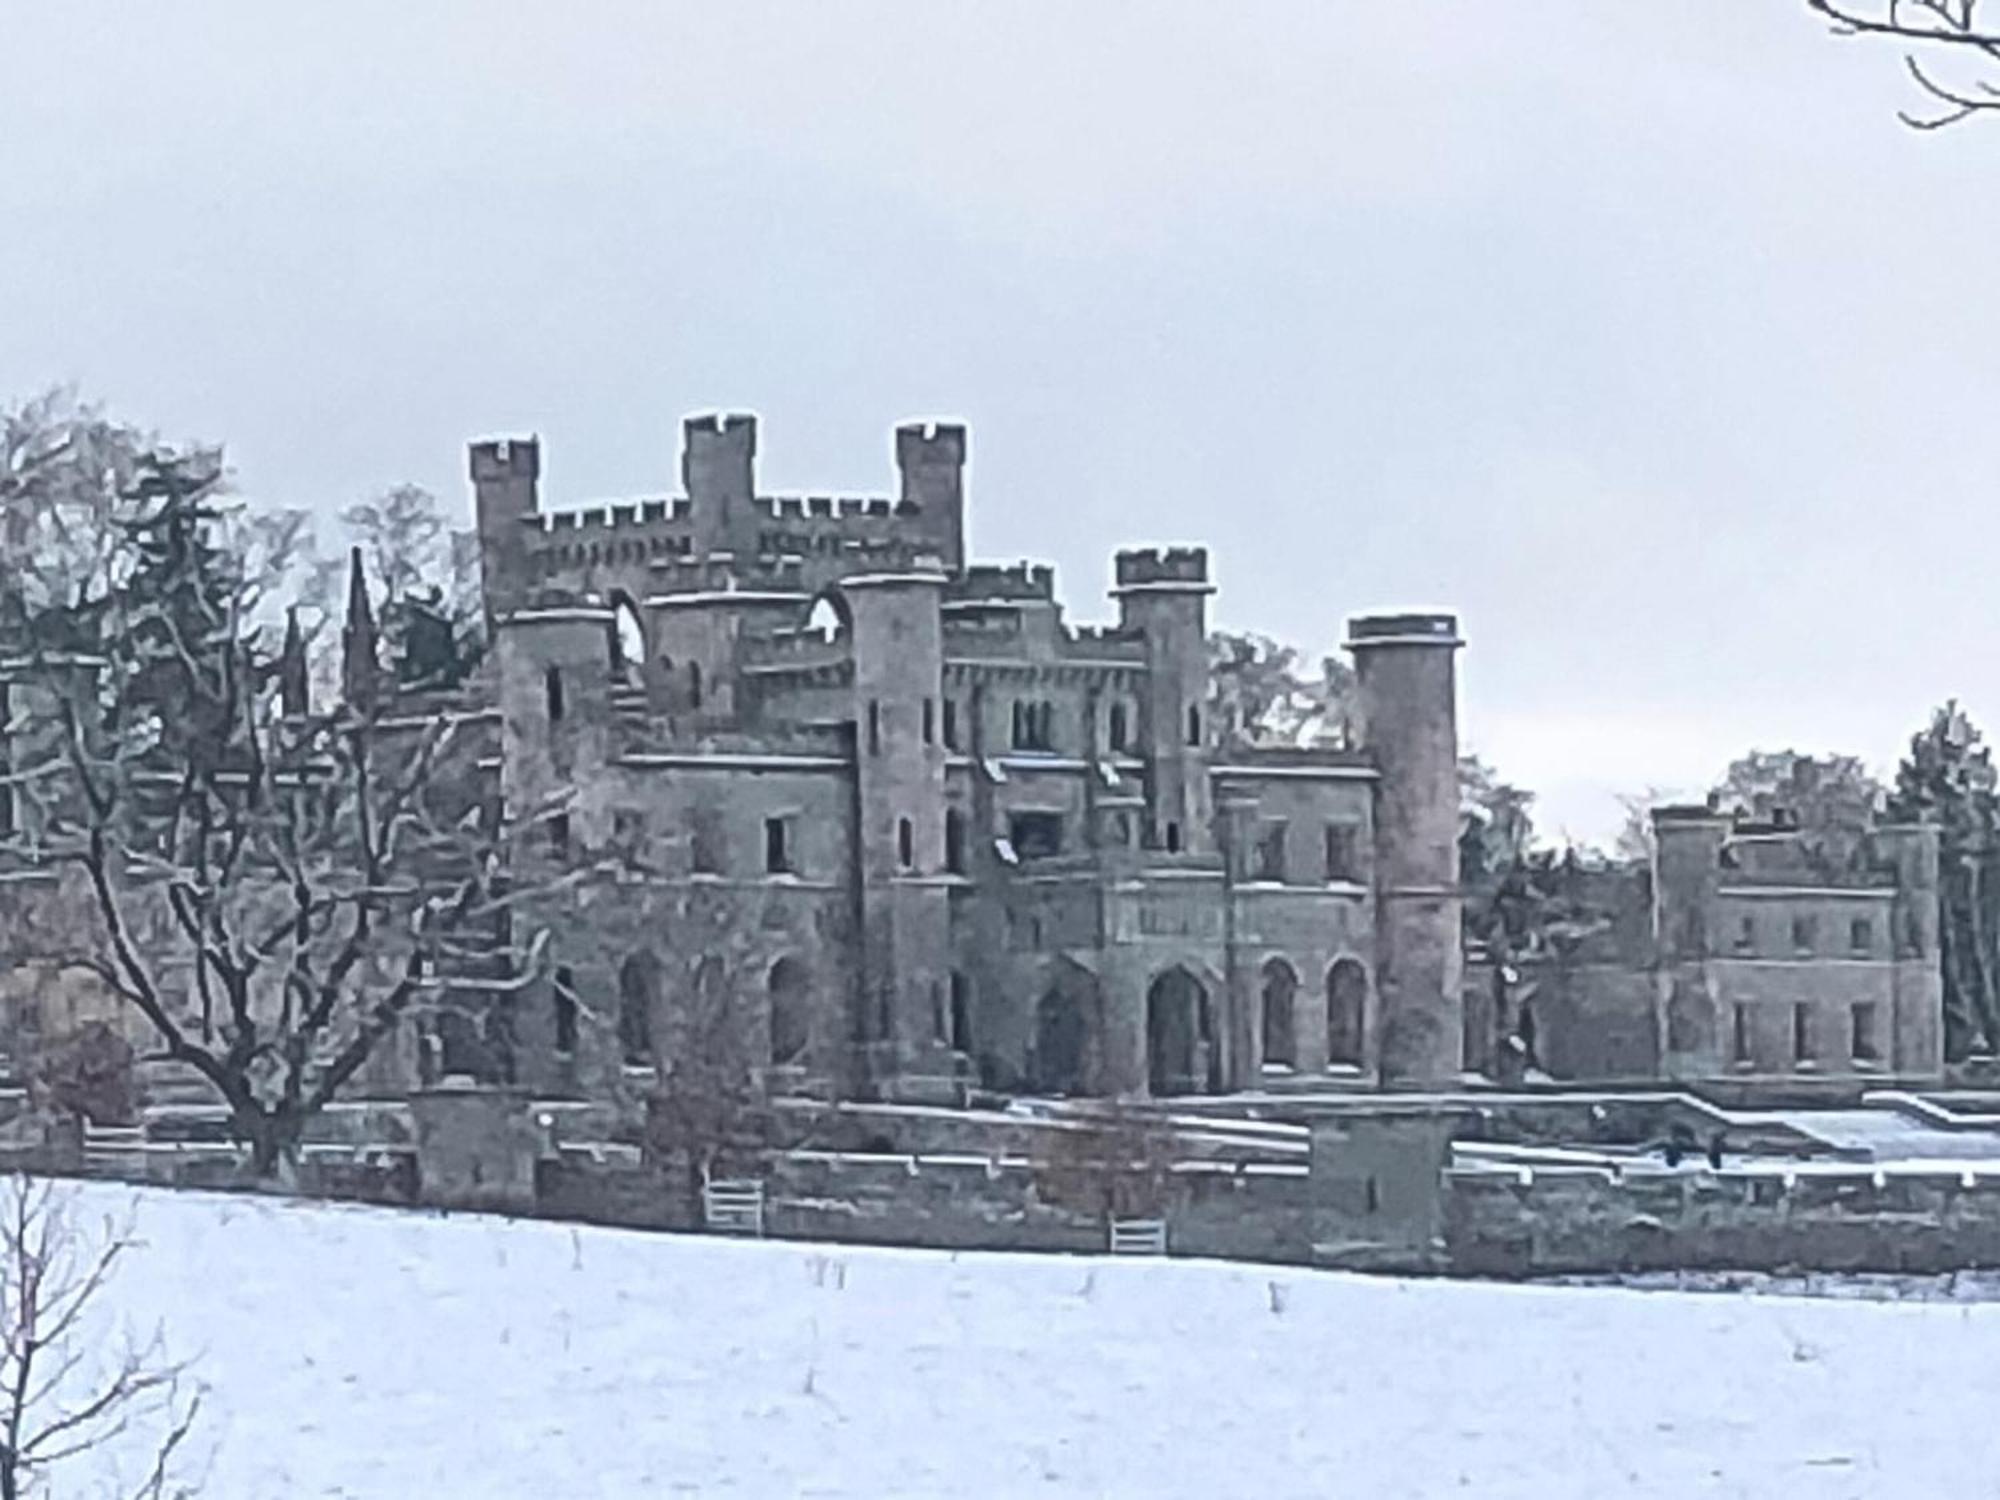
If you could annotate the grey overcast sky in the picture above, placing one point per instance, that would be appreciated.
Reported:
(1639, 333)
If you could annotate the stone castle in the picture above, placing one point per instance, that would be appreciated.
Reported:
(955, 840)
(887, 819)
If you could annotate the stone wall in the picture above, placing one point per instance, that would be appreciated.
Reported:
(955, 1203)
(1574, 1222)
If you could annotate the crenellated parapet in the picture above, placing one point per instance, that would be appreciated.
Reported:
(614, 515)
(726, 573)
(1162, 567)
(832, 508)
(985, 628)
(498, 460)
(786, 651)
(1105, 643)
(1022, 580)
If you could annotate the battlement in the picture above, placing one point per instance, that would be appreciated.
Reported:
(790, 650)
(1153, 567)
(1106, 641)
(612, 515)
(506, 458)
(834, 508)
(994, 625)
(740, 424)
(1418, 629)
(1022, 580)
(725, 573)
(544, 605)
(930, 443)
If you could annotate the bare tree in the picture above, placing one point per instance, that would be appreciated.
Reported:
(63, 467)
(63, 1391)
(276, 891)
(1949, 50)
(707, 1116)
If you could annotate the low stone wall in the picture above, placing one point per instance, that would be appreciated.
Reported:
(1557, 1223)
(388, 1178)
(953, 1203)
(900, 1130)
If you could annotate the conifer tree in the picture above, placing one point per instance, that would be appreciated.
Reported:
(1948, 779)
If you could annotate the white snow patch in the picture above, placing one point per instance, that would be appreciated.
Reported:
(373, 1353)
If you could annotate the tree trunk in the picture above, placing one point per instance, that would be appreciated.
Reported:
(274, 1152)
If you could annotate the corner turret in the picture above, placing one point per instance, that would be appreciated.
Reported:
(1405, 679)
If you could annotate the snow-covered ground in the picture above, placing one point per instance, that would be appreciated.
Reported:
(356, 1352)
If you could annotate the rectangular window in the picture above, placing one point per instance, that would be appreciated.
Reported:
(930, 721)
(1861, 934)
(874, 727)
(1342, 842)
(559, 833)
(1802, 1034)
(1746, 935)
(1739, 1033)
(1271, 850)
(951, 724)
(1035, 835)
(1805, 933)
(1034, 726)
(552, 689)
(1865, 1045)
(777, 846)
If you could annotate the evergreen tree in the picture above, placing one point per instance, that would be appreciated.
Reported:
(184, 658)
(1948, 779)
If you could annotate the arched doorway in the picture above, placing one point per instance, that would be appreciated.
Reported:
(1059, 1056)
(1178, 1034)
(1281, 985)
(790, 988)
(1346, 1014)
(638, 997)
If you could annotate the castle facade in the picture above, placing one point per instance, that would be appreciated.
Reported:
(897, 814)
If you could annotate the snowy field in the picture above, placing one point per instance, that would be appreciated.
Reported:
(356, 1352)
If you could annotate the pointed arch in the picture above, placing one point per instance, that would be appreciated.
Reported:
(638, 1000)
(790, 987)
(1066, 1019)
(1179, 1033)
(1279, 1024)
(1347, 1014)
